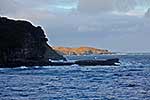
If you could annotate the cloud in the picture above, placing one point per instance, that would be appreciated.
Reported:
(27, 9)
(8, 6)
(112, 24)
(95, 6)
(50, 5)
(98, 6)
(103, 31)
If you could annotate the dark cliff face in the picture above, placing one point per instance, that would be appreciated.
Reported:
(23, 42)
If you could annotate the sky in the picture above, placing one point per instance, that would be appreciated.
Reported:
(116, 25)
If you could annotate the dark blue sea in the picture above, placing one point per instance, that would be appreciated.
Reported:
(129, 81)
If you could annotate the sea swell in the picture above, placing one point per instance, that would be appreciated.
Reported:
(129, 81)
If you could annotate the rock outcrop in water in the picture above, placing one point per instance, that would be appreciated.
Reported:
(81, 51)
(23, 43)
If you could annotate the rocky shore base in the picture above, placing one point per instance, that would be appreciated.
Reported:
(110, 62)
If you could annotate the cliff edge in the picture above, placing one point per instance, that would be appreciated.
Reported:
(21, 42)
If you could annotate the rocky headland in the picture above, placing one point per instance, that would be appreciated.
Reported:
(24, 44)
(80, 51)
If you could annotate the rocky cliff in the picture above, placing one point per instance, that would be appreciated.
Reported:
(80, 51)
(20, 41)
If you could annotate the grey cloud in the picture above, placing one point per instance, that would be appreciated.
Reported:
(23, 10)
(93, 6)
(97, 6)
(8, 6)
(103, 30)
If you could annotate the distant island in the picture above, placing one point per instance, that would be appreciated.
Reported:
(81, 51)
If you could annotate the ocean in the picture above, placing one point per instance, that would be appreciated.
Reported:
(129, 81)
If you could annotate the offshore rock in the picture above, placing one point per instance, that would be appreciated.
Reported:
(22, 43)
(109, 62)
